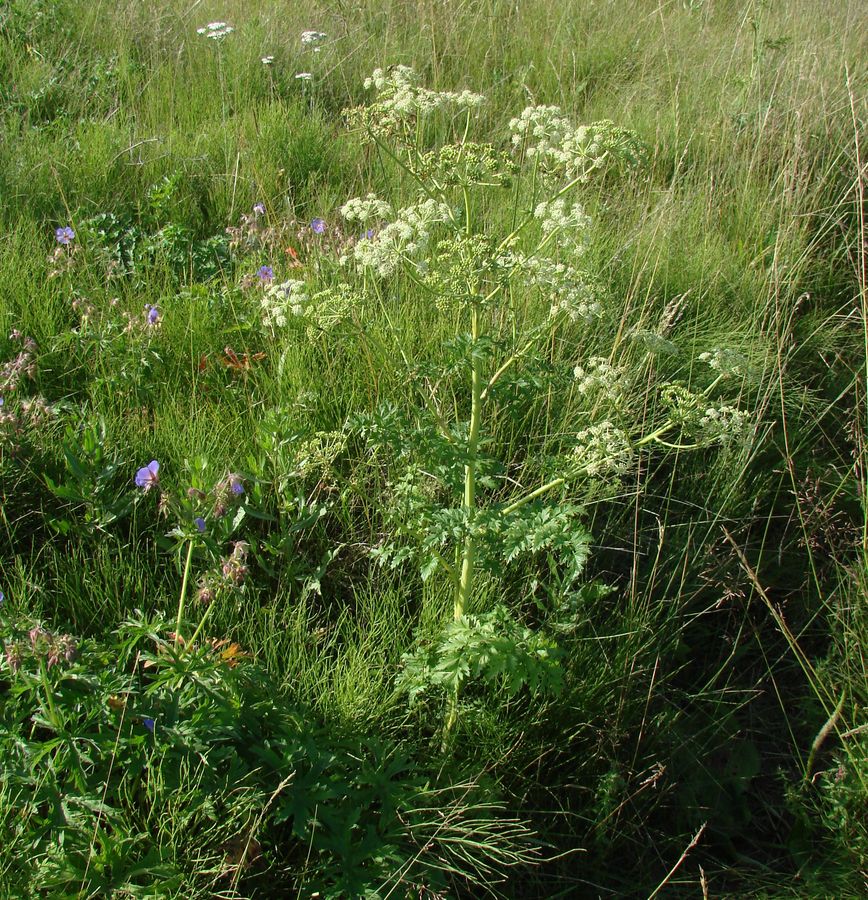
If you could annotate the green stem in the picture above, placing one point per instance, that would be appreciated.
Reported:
(49, 694)
(465, 580)
(201, 624)
(183, 596)
(464, 585)
(498, 374)
(549, 486)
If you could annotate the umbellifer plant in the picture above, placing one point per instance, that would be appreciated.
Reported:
(455, 507)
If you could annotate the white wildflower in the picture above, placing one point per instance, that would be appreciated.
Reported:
(600, 380)
(407, 236)
(215, 30)
(574, 151)
(400, 96)
(570, 291)
(304, 76)
(726, 361)
(557, 215)
(280, 301)
(362, 209)
(267, 60)
(312, 37)
(723, 424)
(603, 450)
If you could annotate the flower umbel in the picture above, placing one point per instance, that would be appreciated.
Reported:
(215, 30)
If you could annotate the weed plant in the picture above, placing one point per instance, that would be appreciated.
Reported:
(441, 482)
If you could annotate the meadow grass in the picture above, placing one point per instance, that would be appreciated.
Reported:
(710, 736)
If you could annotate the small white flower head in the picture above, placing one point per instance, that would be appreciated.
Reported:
(723, 425)
(363, 209)
(304, 76)
(574, 151)
(402, 98)
(598, 379)
(404, 238)
(215, 30)
(726, 361)
(310, 38)
(280, 301)
(267, 60)
(603, 450)
(570, 291)
(570, 221)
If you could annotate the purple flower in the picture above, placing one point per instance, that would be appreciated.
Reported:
(148, 723)
(259, 208)
(318, 226)
(153, 314)
(235, 484)
(64, 235)
(148, 476)
(200, 524)
(369, 233)
(266, 274)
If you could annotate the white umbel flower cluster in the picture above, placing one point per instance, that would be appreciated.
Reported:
(558, 215)
(598, 379)
(406, 237)
(726, 361)
(603, 450)
(575, 151)
(723, 424)
(281, 301)
(400, 96)
(363, 209)
(570, 291)
(216, 31)
(309, 38)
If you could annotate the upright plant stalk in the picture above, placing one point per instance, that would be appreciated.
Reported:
(183, 596)
(465, 579)
(468, 554)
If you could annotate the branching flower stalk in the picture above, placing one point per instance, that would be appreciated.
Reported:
(442, 520)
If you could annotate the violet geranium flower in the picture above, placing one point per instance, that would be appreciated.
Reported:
(64, 235)
(148, 476)
(318, 226)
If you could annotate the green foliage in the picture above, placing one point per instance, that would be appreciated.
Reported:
(491, 647)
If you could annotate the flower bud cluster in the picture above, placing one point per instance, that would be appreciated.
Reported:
(407, 236)
(603, 450)
(226, 491)
(466, 164)
(43, 646)
(575, 152)
(22, 366)
(234, 566)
